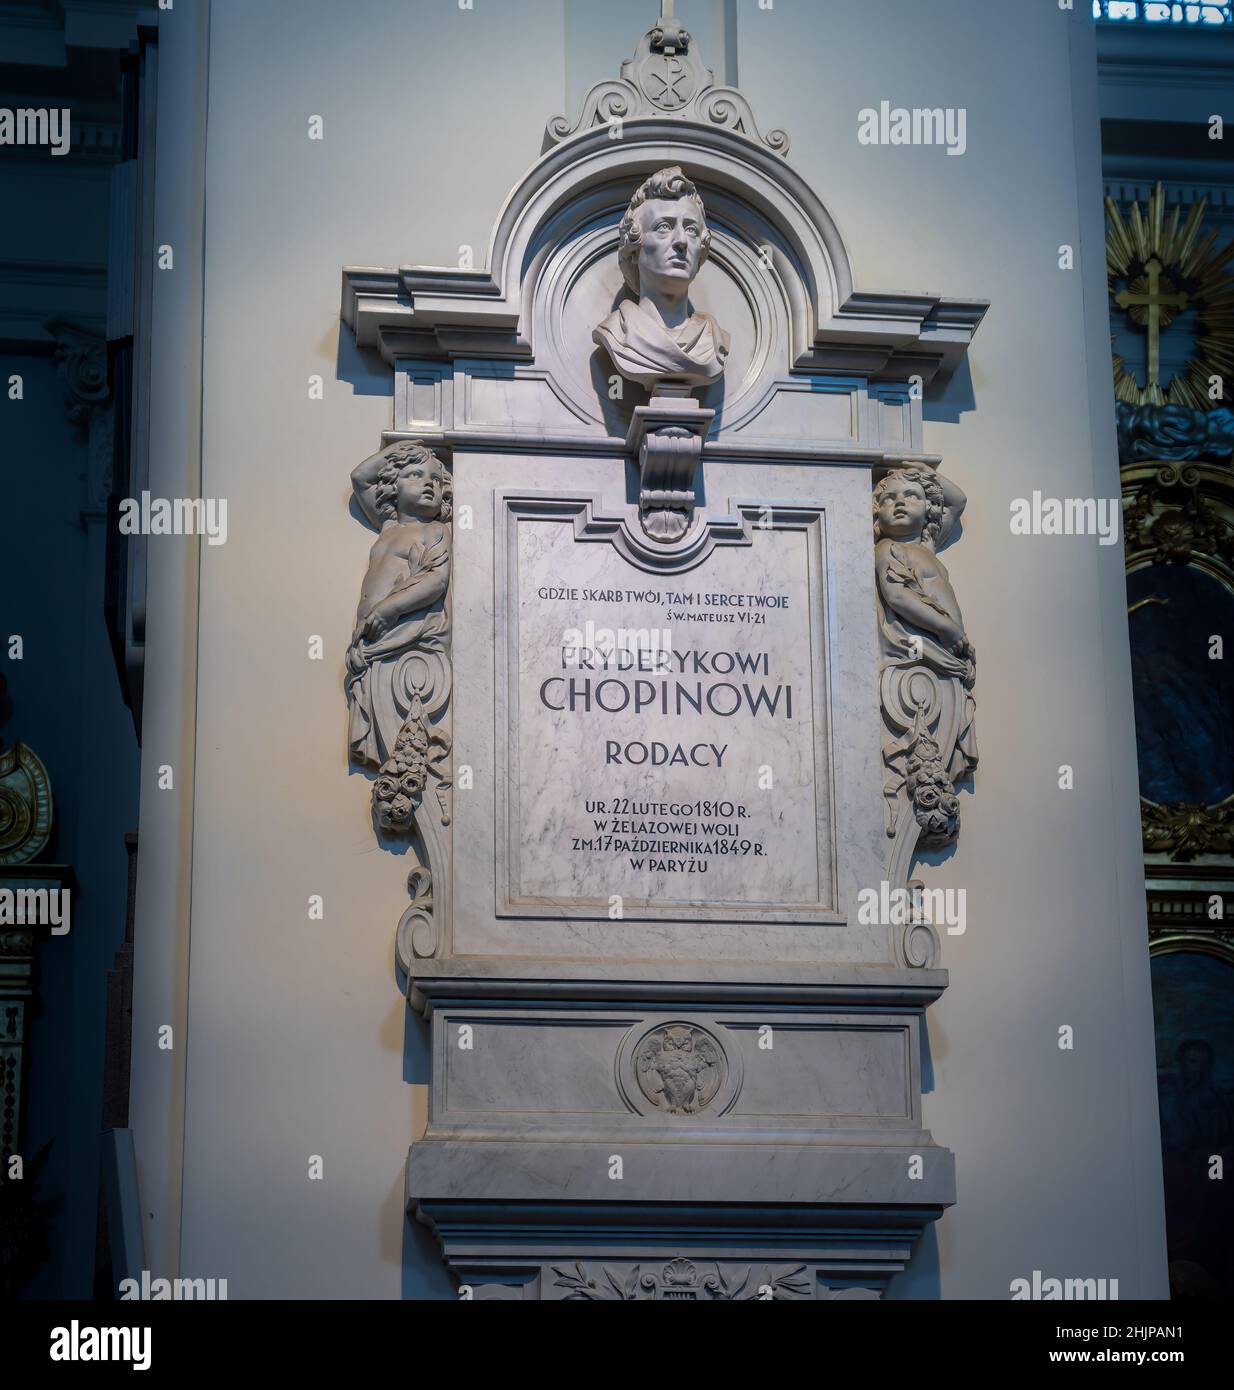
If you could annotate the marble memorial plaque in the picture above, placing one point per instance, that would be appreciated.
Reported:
(668, 749)
(662, 735)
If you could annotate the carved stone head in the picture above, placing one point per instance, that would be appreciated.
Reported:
(413, 484)
(663, 236)
(908, 506)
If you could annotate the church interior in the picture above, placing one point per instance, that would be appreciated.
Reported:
(90, 734)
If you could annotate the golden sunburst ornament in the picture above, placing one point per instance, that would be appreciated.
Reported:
(1158, 266)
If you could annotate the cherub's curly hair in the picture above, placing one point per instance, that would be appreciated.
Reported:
(664, 183)
(397, 457)
(935, 499)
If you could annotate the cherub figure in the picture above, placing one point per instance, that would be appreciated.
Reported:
(914, 511)
(921, 625)
(397, 662)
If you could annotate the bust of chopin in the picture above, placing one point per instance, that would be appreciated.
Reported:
(657, 336)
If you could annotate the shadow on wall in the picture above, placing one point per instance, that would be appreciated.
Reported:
(363, 368)
(957, 397)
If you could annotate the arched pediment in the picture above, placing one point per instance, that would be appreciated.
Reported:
(805, 344)
(772, 225)
(593, 173)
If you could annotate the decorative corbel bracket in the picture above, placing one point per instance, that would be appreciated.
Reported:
(667, 435)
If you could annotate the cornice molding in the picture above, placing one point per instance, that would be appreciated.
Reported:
(454, 979)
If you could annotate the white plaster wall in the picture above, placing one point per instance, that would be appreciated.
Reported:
(296, 1033)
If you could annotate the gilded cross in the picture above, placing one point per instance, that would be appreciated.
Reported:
(1154, 301)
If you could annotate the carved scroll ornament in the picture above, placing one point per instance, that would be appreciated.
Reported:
(666, 77)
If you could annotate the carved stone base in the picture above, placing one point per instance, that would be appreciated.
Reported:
(636, 1249)
(608, 1137)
